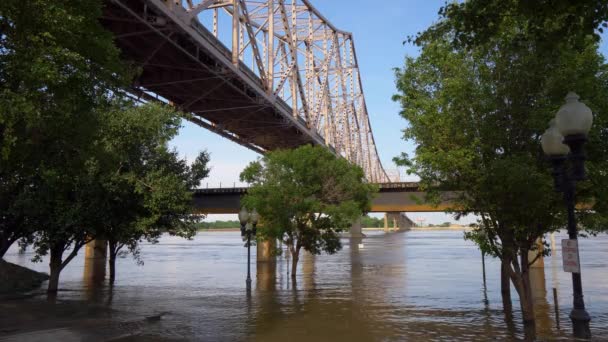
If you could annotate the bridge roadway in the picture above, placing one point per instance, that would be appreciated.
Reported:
(392, 197)
(265, 74)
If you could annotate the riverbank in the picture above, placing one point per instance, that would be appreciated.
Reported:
(16, 279)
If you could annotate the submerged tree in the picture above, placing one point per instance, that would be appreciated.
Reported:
(77, 161)
(133, 188)
(57, 67)
(58, 71)
(150, 187)
(306, 196)
(477, 103)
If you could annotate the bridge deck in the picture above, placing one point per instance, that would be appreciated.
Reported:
(187, 66)
(393, 197)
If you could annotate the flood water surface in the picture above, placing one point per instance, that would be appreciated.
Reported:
(417, 285)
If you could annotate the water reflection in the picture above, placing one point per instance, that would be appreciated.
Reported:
(398, 286)
(545, 323)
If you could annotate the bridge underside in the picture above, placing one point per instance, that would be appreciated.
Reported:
(185, 69)
(228, 201)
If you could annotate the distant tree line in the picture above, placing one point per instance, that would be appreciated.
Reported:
(218, 225)
(444, 224)
(372, 222)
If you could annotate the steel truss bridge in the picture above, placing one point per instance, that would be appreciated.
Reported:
(266, 74)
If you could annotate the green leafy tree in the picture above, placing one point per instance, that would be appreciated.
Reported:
(130, 187)
(77, 161)
(149, 187)
(477, 100)
(57, 66)
(306, 196)
(59, 70)
(218, 224)
(371, 222)
(548, 23)
(68, 212)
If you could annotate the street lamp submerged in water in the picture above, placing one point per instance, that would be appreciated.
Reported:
(248, 221)
(563, 143)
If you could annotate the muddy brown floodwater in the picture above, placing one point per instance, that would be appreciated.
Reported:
(417, 286)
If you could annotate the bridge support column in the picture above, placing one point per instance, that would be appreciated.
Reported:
(356, 230)
(405, 223)
(265, 275)
(386, 222)
(400, 221)
(266, 250)
(266, 265)
(95, 260)
(540, 262)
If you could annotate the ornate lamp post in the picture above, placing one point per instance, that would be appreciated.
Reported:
(570, 126)
(248, 229)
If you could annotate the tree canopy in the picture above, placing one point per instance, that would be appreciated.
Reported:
(305, 197)
(149, 187)
(58, 69)
(78, 159)
(477, 99)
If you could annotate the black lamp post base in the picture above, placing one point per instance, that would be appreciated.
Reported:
(580, 323)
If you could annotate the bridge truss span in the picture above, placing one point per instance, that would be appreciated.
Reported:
(266, 74)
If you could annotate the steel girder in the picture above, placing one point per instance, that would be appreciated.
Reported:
(303, 64)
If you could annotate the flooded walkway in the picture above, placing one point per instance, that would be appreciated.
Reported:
(418, 285)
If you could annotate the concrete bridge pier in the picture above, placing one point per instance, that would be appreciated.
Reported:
(389, 223)
(266, 251)
(356, 230)
(540, 262)
(95, 260)
(399, 221)
(266, 265)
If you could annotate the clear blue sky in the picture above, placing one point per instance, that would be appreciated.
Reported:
(379, 29)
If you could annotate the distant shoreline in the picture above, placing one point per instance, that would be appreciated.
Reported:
(441, 228)
(219, 230)
(436, 228)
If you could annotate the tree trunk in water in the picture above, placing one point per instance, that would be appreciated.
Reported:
(113, 253)
(294, 262)
(526, 300)
(505, 287)
(55, 267)
(521, 281)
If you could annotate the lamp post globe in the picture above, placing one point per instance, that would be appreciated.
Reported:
(254, 217)
(552, 141)
(243, 216)
(573, 120)
(574, 117)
